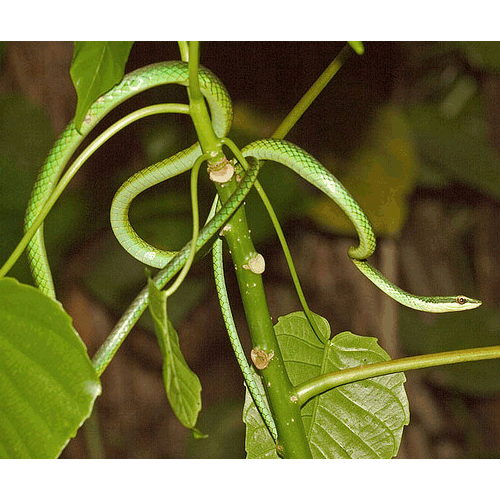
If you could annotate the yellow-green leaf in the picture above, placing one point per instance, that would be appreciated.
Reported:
(380, 176)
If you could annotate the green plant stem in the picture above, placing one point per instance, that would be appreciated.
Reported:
(322, 383)
(313, 92)
(184, 50)
(210, 143)
(281, 237)
(292, 440)
(297, 435)
(73, 169)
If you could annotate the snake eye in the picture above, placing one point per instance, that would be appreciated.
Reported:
(461, 300)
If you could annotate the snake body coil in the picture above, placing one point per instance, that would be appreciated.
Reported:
(64, 148)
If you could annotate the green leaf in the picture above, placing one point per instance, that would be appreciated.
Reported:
(47, 381)
(182, 386)
(96, 68)
(360, 420)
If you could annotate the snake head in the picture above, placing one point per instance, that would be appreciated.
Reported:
(453, 303)
(463, 303)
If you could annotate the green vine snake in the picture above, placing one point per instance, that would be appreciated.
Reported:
(171, 262)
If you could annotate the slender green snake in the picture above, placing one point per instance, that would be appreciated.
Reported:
(64, 148)
(171, 262)
(312, 171)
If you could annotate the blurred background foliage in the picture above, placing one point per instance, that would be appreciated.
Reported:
(407, 121)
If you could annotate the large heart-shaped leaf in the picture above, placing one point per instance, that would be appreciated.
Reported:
(47, 382)
(360, 420)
